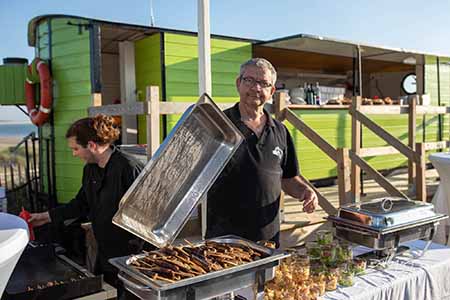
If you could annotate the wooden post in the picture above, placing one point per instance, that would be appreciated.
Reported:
(152, 118)
(279, 105)
(343, 174)
(356, 146)
(411, 144)
(421, 186)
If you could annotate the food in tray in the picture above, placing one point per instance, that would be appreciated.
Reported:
(347, 101)
(366, 101)
(334, 102)
(52, 283)
(377, 101)
(171, 264)
(388, 100)
(324, 237)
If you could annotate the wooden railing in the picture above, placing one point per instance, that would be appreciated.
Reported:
(348, 161)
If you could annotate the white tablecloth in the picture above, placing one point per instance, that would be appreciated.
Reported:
(406, 278)
(441, 200)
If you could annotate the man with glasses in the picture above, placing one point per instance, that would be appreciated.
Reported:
(245, 199)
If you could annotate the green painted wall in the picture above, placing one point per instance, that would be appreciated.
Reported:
(42, 51)
(181, 69)
(147, 55)
(72, 96)
(12, 81)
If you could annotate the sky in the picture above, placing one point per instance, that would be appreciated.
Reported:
(411, 24)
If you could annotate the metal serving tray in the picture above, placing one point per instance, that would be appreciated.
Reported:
(159, 202)
(202, 286)
(385, 238)
(387, 213)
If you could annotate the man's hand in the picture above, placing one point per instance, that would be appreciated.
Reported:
(39, 219)
(310, 200)
(295, 187)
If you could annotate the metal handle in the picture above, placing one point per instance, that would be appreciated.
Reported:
(128, 281)
(353, 230)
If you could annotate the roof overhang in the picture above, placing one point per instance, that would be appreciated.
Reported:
(326, 46)
(125, 26)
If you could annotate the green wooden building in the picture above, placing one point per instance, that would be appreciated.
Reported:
(95, 62)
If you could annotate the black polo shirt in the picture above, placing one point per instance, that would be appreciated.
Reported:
(245, 198)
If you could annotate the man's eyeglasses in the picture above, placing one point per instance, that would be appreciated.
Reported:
(250, 82)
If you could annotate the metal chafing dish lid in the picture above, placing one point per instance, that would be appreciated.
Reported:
(160, 201)
(387, 212)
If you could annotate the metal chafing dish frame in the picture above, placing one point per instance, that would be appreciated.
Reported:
(203, 286)
(379, 239)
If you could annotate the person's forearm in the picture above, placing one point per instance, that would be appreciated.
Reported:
(294, 187)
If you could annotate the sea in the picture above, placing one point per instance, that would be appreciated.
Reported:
(16, 129)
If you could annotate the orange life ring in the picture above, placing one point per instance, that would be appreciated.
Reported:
(38, 116)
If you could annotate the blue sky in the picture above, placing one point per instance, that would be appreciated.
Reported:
(412, 24)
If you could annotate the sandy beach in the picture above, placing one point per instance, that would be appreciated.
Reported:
(8, 141)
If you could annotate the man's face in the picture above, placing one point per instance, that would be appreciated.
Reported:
(255, 86)
(83, 153)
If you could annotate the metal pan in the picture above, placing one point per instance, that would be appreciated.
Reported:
(272, 258)
(161, 199)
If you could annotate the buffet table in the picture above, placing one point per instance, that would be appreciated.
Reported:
(441, 199)
(406, 277)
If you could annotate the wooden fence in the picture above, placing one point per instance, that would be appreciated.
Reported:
(349, 162)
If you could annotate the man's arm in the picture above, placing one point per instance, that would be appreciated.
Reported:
(297, 188)
(75, 208)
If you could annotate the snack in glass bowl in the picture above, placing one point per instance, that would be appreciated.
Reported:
(344, 253)
(346, 278)
(324, 237)
(331, 281)
(328, 254)
(359, 266)
(313, 250)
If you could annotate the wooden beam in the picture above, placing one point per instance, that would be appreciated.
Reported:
(343, 175)
(311, 134)
(152, 120)
(136, 108)
(356, 146)
(317, 107)
(375, 175)
(279, 105)
(323, 202)
(377, 151)
(421, 188)
(389, 138)
(411, 142)
(402, 109)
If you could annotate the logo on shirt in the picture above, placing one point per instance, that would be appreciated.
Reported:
(278, 152)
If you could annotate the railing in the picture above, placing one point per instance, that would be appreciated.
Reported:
(20, 174)
(348, 161)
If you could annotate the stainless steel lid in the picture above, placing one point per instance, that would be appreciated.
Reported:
(387, 212)
(160, 201)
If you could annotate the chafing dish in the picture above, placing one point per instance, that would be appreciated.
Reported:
(159, 203)
(386, 222)
(204, 286)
